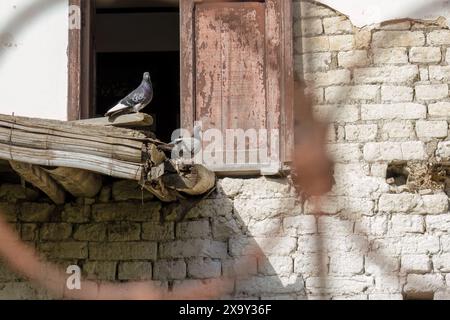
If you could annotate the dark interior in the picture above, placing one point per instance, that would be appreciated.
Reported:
(147, 46)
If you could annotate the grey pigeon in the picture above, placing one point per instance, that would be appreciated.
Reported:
(136, 100)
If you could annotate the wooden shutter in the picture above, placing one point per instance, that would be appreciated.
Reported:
(233, 75)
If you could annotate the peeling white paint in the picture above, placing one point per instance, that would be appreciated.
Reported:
(367, 12)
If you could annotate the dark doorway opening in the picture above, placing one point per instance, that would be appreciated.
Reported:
(129, 42)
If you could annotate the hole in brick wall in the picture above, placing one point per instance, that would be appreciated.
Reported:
(418, 296)
(397, 174)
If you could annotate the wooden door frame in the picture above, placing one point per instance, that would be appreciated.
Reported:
(279, 60)
(81, 57)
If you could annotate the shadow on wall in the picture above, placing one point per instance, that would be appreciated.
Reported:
(117, 238)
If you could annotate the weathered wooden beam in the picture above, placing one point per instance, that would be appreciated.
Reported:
(41, 180)
(80, 183)
(127, 120)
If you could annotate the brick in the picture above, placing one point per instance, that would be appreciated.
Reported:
(193, 248)
(432, 129)
(135, 271)
(65, 250)
(433, 204)
(403, 202)
(416, 244)
(334, 226)
(100, 270)
(158, 232)
(390, 56)
(439, 73)
(36, 212)
(124, 231)
(397, 25)
(386, 74)
(303, 224)
(275, 265)
(431, 91)
(425, 55)
(376, 225)
(447, 56)
(336, 113)
(445, 243)
(352, 59)
(270, 284)
(363, 132)
(425, 283)
(169, 270)
(193, 229)
(342, 152)
(397, 93)
(380, 263)
(307, 9)
(260, 209)
(308, 264)
(328, 78)
(224, 228)
(398, 111)
(73, 213)
(17, 291)
(387, 39)
(129, 190)
(123, 251)
(350, 93)
(339, 285)
(438, 223)
(15, 192)
(90, 232)
(389, 151)
(337, 25)
(439, 110)
(280, 246)
(313, 44)
(424, 75)
(204, 268)
(308, 27)
(342, 42)
(312, 62)
(29, 231)
(397, 129)
(126, 211)
(346, 264)
(438, 37)
(266, 227)
(407, 224)
(55, 231)
(442, 295)
(441, 262)
(242, 266)
(443, 150)
(385, 296)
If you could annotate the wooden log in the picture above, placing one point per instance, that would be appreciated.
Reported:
(127, 120)
(132, 153)
(56, 158)
(41, 180)
(80, 183)
(68, 128)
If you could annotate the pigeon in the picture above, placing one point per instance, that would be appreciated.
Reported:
(136, 100)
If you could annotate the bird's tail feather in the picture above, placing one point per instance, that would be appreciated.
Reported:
(117, 109)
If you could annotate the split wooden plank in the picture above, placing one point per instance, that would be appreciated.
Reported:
(41, 180)
(127, 120)
(80, 183)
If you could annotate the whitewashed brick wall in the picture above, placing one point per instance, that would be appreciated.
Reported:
(387, 91)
